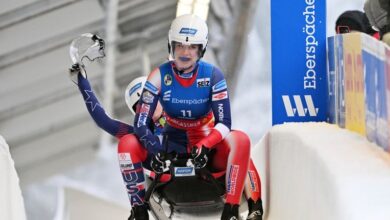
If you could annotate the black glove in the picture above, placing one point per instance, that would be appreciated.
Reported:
(74, 71)
(200, 156)
(158, 163)
(75, 68)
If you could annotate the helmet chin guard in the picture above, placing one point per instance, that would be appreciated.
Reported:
(188, 29)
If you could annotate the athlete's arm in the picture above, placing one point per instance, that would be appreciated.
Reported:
(145, 110)
(220, 105)
(111, 126)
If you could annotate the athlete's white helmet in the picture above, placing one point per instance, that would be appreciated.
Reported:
(133, 92)
(188, 29)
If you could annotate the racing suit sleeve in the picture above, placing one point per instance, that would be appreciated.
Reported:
(145, 110)
(220, 105)
(111, 126)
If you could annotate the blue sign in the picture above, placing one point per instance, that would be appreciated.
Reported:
(299, 81)
(189, 31)
(184, 171)
(382, 129)
(332, 106)
(370, 63)
(339, 68)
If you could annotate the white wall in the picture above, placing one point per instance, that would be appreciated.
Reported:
(319, 171)
(80, 205)
(309, 171)
(11, 200)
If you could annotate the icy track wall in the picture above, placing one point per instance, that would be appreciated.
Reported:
(11, 200)
(318, 171)
(359, 86)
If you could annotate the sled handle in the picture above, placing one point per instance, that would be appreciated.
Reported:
(152, 187)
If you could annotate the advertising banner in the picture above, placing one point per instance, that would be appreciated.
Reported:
(370, 63)
(354, 83)
(382, 129)
(387, 72)
(299, 76)
(340, 83)
(332, 99)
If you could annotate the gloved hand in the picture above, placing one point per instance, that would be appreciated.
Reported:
(74, 71)
(158, 163)
(200, 156)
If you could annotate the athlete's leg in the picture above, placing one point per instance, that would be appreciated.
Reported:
(237, 144)
(252, 187)
(252, 191)
(131, 154)
(226, 157)
(233, 153)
